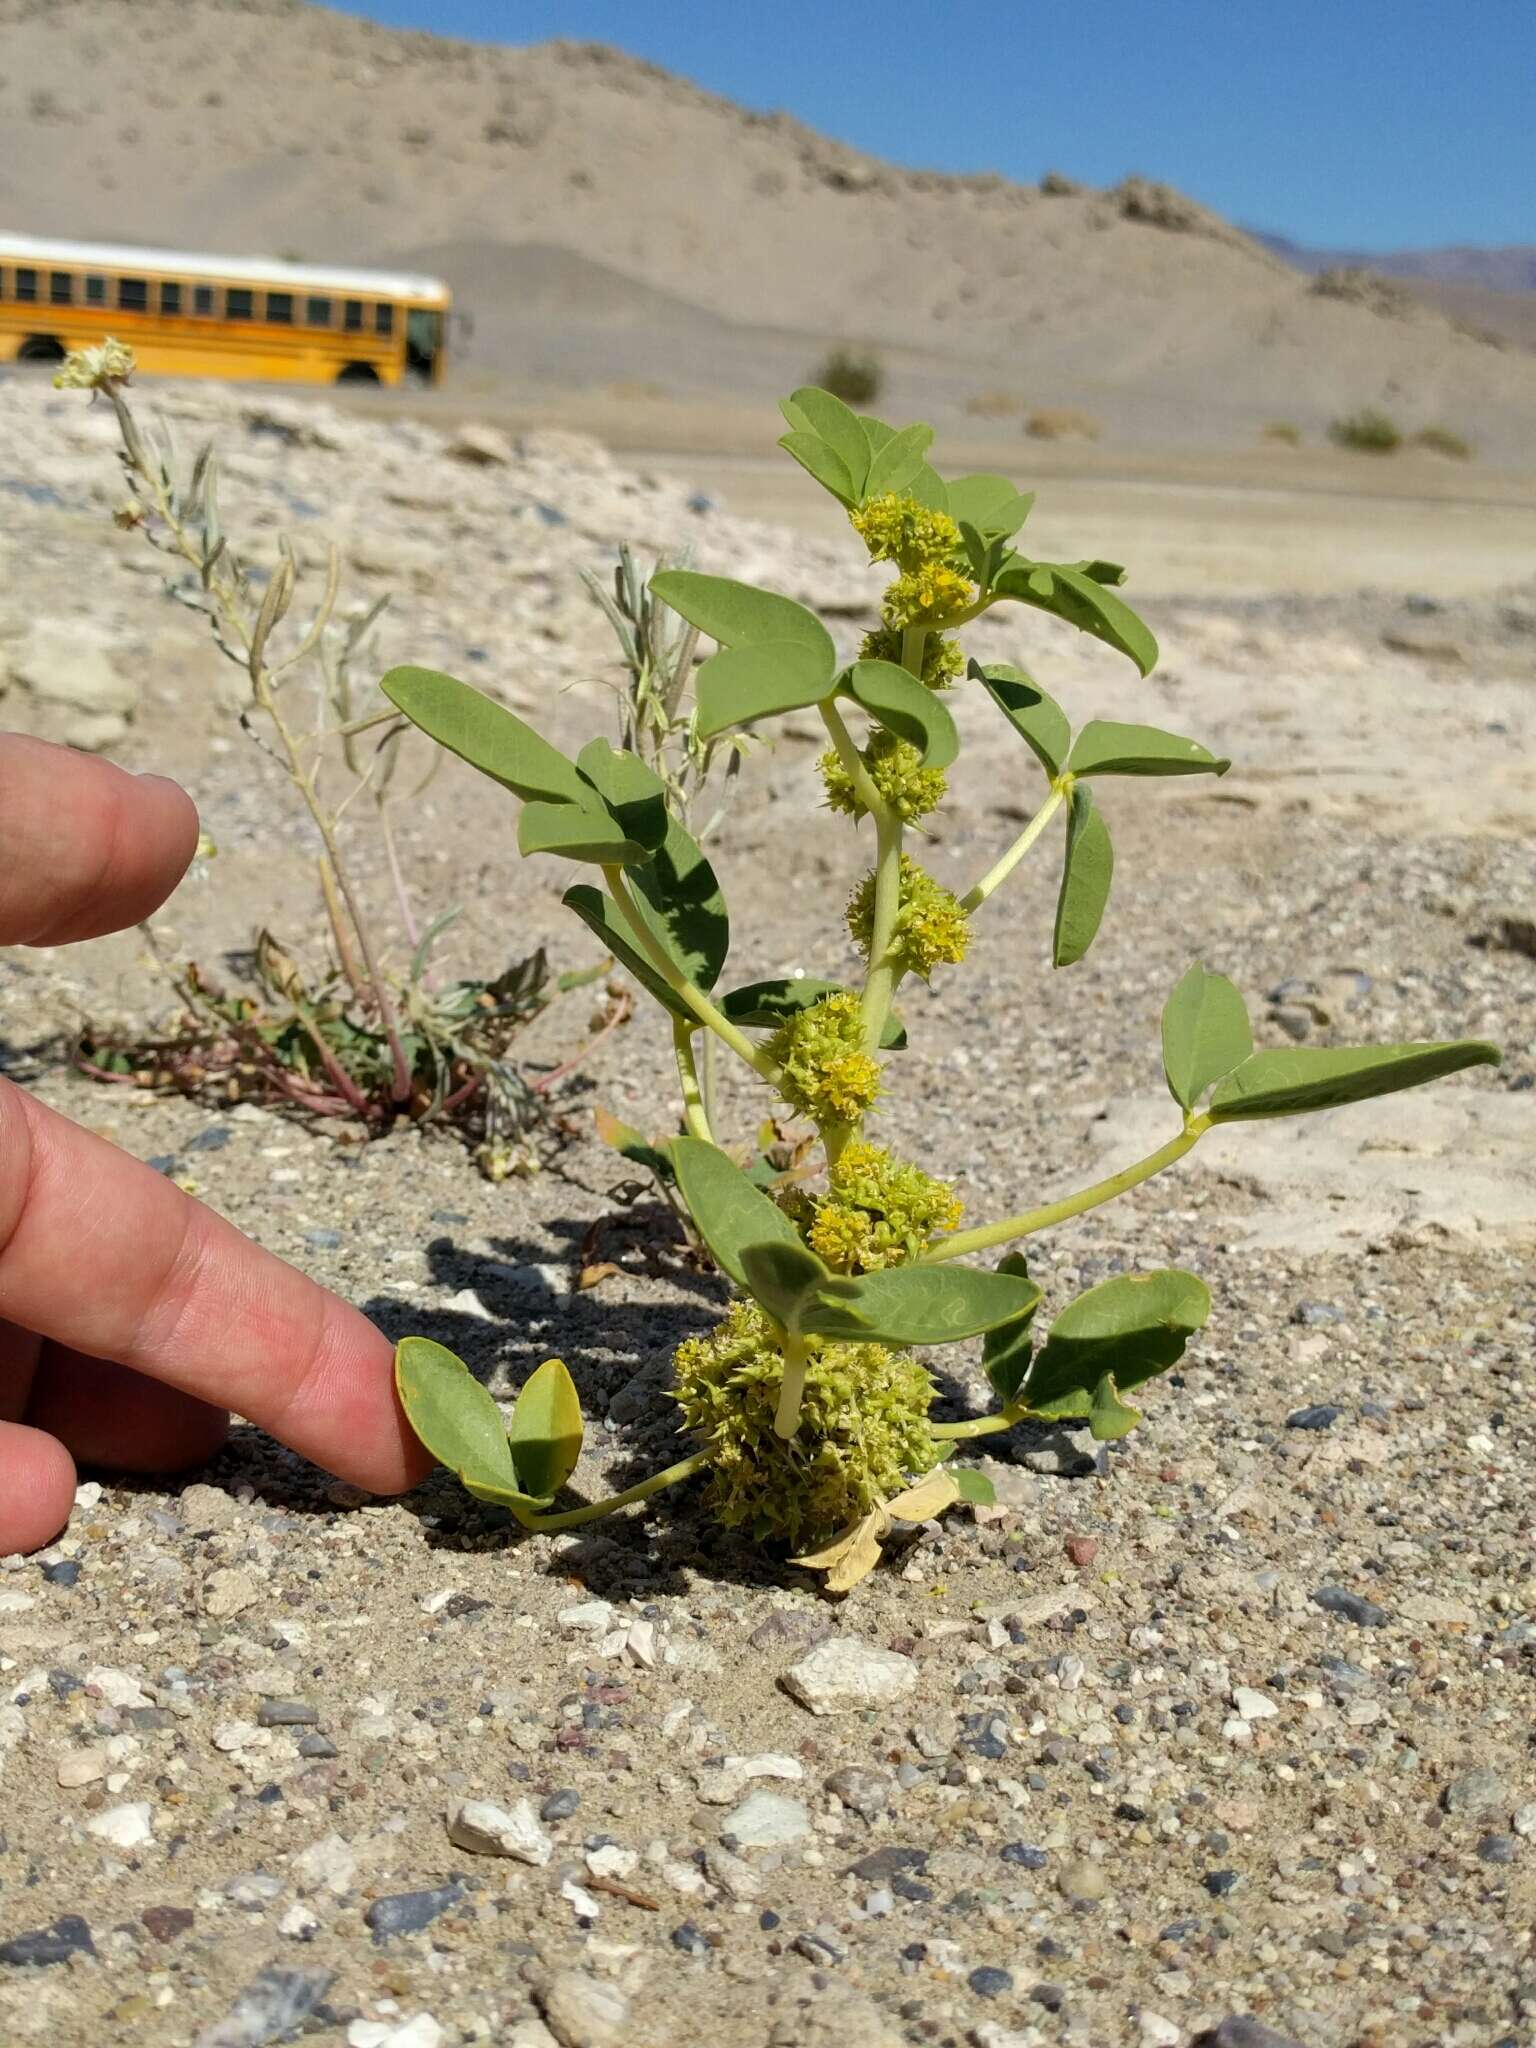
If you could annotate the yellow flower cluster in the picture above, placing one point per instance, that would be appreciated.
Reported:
(827, 1074)
(95, 369)
(896, 769)
(924, 545)
(931, 928)
(878, 1211)
(863, 1428)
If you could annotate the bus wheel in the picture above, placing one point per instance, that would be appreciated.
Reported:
(41, 348)
(357, 373)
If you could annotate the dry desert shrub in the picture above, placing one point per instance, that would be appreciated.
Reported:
(1284, 432)
(1442, 441)
(855, 379)
(1062, 423)
(994, 405)
(1368, 431)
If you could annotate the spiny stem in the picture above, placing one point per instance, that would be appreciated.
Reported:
(999, 872)
(682, 987)
(573, 1518)
(792, 1389)
(986, 1235)
(695, 1113)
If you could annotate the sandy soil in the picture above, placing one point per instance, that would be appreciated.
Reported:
(1230, 1722)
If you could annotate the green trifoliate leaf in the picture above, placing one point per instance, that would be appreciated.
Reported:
(765, 1004)
(928, 488)
(452, 1414)
(1085, 878)
(923, 1305)
(897, 700)
(973, 1486)
(485, 734)
(822, 463)
(1037, 718)
(1006, 1352)
(1106, 748)
(1292, 1081)
(602, 916)
(634, 796)
(740, 615)
(788, 1279)
(1206, 1034)
(546, 1430)
(728, 1212)
(682, 903)
(742, 684)
(991, 504)
(896, 464)
(1069, 592)
(839, 429)
(1125, 1330)
(577, 834)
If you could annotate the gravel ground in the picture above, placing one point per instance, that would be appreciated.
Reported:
(1223, 1734)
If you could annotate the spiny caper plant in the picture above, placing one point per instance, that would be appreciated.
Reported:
(352, 1041)
(809, 1412)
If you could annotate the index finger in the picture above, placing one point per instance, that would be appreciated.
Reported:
(85, 847)
(99, 1253)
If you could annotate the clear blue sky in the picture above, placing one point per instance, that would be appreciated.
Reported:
(1375, 123)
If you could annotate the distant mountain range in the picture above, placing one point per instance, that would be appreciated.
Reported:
(1511, 269)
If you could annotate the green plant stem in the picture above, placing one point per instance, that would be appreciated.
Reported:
(880, 977)
(682, 987)
(573, 1518)
(851, 759)
(695, 1111)
(999, 872)
(786, 1418)
(986, 1235)
(980, 1425)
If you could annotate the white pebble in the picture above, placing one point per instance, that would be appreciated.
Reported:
(1253, 1705)
(842, 1674)
(485, 1829)
(125, 1827)
(81, 1767)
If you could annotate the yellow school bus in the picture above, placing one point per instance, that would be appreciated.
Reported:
(220, 316)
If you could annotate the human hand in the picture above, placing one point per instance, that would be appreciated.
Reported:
(133, 1319)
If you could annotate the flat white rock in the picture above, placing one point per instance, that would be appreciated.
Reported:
(766, 1820)
(1252, 1705)
(843, 1674)
(485, 1829)
(125, 1827)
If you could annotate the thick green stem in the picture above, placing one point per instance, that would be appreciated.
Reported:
(986, 1235)
(573, 1518)
(792, 1389)
(999, 872)
(695, 1114)
(880, 976)
(980, 1425)
(852, 760)
(682, 987)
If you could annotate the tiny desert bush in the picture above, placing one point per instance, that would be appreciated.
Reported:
(1442, 441)
(994, 405)
(1062, 423)
(855, 379)
(1369, 431)
(1286, 432)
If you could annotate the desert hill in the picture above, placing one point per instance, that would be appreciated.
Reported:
(603, 219)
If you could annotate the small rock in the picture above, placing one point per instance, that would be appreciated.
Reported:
(125, 1827)
(1219, 1883)
(82, 1767)
(328, 1865)
(1083, 1879)
(1322, 1417)
(1242, 2032)
(68, 1936)
(689, 1939)
(560, 1805)
(863, 1791)
(843, 1675)
(895, 1860)
(583, 2011)
(766, 1820)
(483, 447)
(229, 1592)
(1081, 1550)
(1525, 1821)
(299, 1923)
(722, 1784)
(272, 2005)
(1157, 2032)
(797, 1626)
(409, 1912)
(597, 1616)
(208, 1507)
(987, 1982)
(484, 1829)
(1477, 1792)
(1352, 1606)
(65, 1573)
(316, 1746)
(117, 1688)
(1025, 1854)
(286, 1714)
(165, 1923)
(1253, 1705)
(253, 1889)
(1314, 1314)
(1497, 1848)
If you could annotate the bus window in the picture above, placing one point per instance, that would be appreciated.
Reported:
(202, 300)
(26, 286)
(423, 339)
(239, 303)
(170, 298)
(383, 319)
(95, 291)
(318, 312)
(61, 288)
(352, 316)
(133, 294)
(280, 308)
